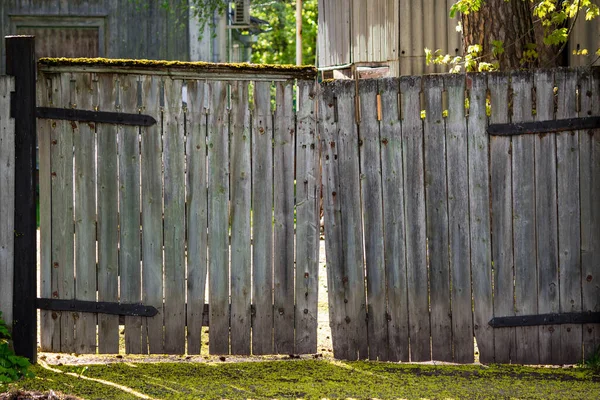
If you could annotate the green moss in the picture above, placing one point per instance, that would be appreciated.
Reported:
(317, 379)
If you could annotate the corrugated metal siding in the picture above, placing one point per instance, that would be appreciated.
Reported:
(132, 29)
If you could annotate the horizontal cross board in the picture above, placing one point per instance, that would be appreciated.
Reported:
(545, 319)
(100, 307)
(101, 117)
(550, 126)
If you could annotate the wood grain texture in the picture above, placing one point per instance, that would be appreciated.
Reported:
(283, 219)
(416, 239)
(262, 220)
(436, 201)
(394, 226)
(546, 219)
(152, 213)
(501, 208)
(372, 212)
(458, 219)
(569, 225)
(241, 191)
(523, 193)
(218, 218)
(86, 94)
(308, 193)
(108, 234)
(174, 217)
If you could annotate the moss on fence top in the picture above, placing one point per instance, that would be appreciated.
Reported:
(301, 72)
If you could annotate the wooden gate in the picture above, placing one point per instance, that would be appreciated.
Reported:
(153, 175)
(455, 218)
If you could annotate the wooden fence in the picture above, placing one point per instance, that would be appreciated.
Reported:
(143, 213)
(453, 226)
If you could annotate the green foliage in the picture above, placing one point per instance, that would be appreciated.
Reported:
(592, 362)
(12, 367)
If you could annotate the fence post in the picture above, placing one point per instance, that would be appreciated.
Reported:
(20, 63)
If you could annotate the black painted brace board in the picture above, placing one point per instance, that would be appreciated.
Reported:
(101, 117)
(100, 307)
(550, 126)
(546, 319)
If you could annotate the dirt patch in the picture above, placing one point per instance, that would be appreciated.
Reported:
(29, 395)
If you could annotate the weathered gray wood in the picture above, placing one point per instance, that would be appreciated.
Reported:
(241, 180)
(416, 239)
(501, 206)
(523, 193)
(218, 218)
(479, 218)
(262, 220)
(308, 194)
(546, 219)
(7, 199)
(372, 211)
(174, 217)
(569, 227)
(458, 219)
(108, 234)
(283, 213)
(436, 201)
(197, 211)
(589, 167)
(152, 212)
(352, 235)
(394, 229)
(86, 95)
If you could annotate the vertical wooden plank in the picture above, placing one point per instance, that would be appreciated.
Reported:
(394, 227)
(436, 201)
(174, 219)
(308, 194)
(523, 193)
(262, 217)
(589, 159)
(197, 211)
(241, 186)
(458, 219)
(416, 240)
(569, 226)
(7, 200)
(218, 218)
(405, 37)
(546, 219)
(479, 217)
(501, 205)
(108, 234)
(85, 214)
(152, 214)
(418, 38)
(283, 209)
(370, 189)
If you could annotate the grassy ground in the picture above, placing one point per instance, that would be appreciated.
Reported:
(312, 379)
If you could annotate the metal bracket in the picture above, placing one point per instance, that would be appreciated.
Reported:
(546, 319)
(100, 307)
(551, 126)
(102, 117)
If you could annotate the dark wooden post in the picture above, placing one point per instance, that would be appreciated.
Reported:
(20, 63)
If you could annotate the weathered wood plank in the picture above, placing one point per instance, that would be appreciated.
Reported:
(523, 193)
(308, 193)
(197, 211)
(283, 213)
(108, 234)
(218, 218)
(241, 190)
(7, 200)
(569, 226)
(436, 201)
(85, 214)
(174, 218)
(405, 38)
(262, 220)
(372, 211)
(589, 167)
(479, 217)
(416, 237)
(394, 228)
(501, 207)
(458, 219)
(546, 219)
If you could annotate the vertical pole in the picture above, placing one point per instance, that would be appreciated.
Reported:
(298, 32)
(20, 63)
